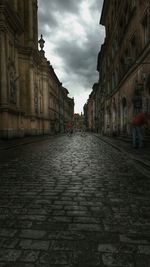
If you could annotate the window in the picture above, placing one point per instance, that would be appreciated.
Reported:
(113, 81)
(133, 47)
(133, 4)
(145, 28)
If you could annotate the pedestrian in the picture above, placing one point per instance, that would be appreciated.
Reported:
(69, 128)
(83, 129)
(139, 121)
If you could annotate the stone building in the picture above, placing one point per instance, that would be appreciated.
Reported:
(91, 109)
(68, 107)
(89, 113)
(124, 64)
(79, 122)
(29, 88)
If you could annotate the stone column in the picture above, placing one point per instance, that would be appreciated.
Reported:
(15, 2)
(17, 80)
(3, 73)
(30, 8)
(31, 93)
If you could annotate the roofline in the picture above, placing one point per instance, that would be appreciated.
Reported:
(104, 12)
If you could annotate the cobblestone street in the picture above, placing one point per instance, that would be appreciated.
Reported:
(73, 202)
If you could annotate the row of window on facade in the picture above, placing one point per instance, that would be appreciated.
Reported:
(133, 45)
(127, 11)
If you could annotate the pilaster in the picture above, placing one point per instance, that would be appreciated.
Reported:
(15, 2)
(31, 92)
(30, 20)
(3, 73)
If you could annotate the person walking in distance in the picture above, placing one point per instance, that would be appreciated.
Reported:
(69, 128)
(138, 122)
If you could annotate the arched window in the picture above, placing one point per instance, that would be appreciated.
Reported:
(124, 115)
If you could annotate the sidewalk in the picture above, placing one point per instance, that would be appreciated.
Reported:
(140, 155)
(12, 143)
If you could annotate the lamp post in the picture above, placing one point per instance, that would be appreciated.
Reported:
(41, 43)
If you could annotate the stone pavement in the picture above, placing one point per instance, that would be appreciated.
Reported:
(13, 143)
(73, 202)
(125, 145)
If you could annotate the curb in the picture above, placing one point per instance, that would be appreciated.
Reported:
(24, 143)
(30, 141)
(133, 157)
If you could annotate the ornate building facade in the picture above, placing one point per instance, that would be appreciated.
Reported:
(124, 65)
(29, 88)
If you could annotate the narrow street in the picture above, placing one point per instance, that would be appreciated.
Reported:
(73, 202)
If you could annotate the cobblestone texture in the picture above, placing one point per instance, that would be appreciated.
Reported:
(73, 202)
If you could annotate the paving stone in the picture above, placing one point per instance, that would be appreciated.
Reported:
(117, 260)
(144, 250)
(142, 260)
(33, 217)
(60, 219)
(17, 264)
(72, 202)
(35, 245)
(32, 234)
(65, 235)
(9, 255)
(134, 240)
(107, 248)
(7, 232)
(85, 227)
(10, 243)
(30, 256)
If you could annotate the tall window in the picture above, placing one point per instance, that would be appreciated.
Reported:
(113, 81)
(145, 28)
(133, 46)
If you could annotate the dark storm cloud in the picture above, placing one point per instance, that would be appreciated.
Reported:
(79, 59)
(60, 5)
(48, 10)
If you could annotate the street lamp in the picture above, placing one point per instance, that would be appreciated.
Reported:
(41, 43)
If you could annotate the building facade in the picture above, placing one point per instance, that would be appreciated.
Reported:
(79, 122)
(68, 108)
(92, 109)
(124, 65)
(30, 91)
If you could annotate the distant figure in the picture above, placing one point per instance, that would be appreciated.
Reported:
(69, 128)
(83, 129)
(139, 120)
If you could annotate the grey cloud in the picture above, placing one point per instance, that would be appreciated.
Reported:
(97, 5)
(49, 8)
(79, 62)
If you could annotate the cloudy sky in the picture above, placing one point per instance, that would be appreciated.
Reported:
(73, 38)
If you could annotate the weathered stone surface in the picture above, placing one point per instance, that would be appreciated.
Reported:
(30, 256)
(72, 203)
(32, 234)
(34, 244)
(8, 255)
(144, 250)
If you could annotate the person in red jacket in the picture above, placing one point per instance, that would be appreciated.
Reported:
(139, 120)
(70, 128)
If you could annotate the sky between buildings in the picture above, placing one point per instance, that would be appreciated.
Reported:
(73, 38)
